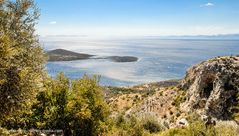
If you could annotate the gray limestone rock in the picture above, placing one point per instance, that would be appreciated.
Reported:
(212, 87)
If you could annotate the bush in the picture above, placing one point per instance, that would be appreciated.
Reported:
(174, 132)
(136, 125)
(180, 98)
(152, 126)
(198, 128)
(194, 129)
(227, 128)
(77, 109)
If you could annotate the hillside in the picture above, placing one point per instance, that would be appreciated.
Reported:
(209, 89)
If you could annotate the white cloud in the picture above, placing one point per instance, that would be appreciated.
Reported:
(52, 22)
(207, 5)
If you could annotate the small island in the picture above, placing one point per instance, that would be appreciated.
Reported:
(123, 58)
(65, 55)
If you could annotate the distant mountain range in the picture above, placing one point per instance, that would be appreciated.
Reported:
(207, 37)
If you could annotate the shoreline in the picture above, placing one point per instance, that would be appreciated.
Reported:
(164, 83)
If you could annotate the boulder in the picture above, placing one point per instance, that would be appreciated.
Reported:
(182, 123)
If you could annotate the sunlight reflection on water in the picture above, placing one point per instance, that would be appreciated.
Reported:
(158, 59)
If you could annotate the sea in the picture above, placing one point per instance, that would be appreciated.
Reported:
(159, 59)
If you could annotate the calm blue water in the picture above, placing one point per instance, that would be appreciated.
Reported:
(158, 59)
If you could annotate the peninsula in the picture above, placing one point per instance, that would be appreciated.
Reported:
(66, 55)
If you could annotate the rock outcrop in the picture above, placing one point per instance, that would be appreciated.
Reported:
(212, 87)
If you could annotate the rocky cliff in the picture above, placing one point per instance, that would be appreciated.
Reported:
(212, 87)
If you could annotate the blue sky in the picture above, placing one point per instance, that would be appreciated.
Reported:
(138, 17)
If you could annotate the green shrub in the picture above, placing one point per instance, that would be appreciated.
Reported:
(180, 98)
(192, 117)
(194, 129)
(120, 120)
(152, 126)
(174, 132)
(76, 109)
(197, 128)
(4, 132)
(227, 128)
(132, 125)
(236, 108)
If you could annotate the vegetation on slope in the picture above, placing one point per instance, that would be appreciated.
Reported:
(30, 99)
(21, 57)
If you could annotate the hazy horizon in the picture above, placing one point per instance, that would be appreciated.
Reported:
(138, 18)
(137, 28)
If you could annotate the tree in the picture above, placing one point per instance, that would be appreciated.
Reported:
(22, 59)
(29, 98)
(87, 107)
(79, 109)
(50, 110)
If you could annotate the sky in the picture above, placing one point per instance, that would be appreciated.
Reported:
(138, 17)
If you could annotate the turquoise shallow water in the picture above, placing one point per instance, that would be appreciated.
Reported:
(158, 59)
